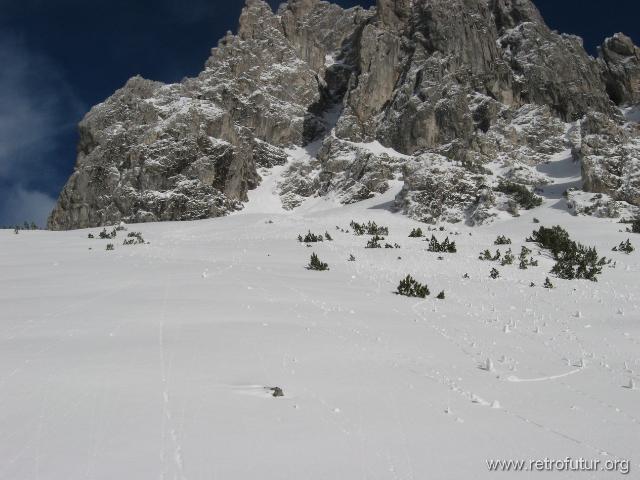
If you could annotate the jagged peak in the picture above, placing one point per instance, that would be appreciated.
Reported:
(255, 17)
(620, 44)
(511, 13)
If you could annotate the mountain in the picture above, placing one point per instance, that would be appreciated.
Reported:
(460, 99)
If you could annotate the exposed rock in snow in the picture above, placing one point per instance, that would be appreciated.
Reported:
(610, 155)
(621, 64)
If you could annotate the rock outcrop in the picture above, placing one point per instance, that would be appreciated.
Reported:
(620, 60)
(455, 97)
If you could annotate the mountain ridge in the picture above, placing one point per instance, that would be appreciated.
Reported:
(488, 88)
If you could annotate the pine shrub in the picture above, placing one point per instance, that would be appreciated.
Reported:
(573, 260)
(110, 247)
(485, 256)
(502, 240)
(134, 238)
(328, 237)
(316, 264)
(624, 247)
(416, 233)
(446, 246)
(548, 284)
(104, 235)
(370, 228)
(409, 287)
(494, 273)
(310, 238)
(521, 194)
(374, 242)
(508, 258)
(440, 295)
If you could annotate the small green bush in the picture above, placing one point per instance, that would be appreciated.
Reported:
(316, 264)
(134, 238)
(508, 258)
(104, 235)
(416, 233)
(370, 228)
(494, 273)
(409, 287)
(374, 242)
(310, 238)
(573, 260)
(502, 240)
(488, 257)
(521, 194)
(446, 246)
(624, 247)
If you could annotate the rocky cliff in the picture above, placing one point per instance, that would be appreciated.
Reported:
(458, 98)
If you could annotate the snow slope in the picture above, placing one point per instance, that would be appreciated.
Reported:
(154, 361)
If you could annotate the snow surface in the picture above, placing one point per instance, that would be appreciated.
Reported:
(154, 361)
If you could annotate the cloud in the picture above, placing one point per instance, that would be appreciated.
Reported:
(37, 107)
(18, 205)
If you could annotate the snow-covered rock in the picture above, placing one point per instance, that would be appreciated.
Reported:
(454, 95)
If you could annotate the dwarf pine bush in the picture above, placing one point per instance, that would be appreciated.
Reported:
(573, 260)
(104, 235)
(446, 246)
(502, 240)
(508, 258)
(370, 228)
(488, 257)
(310, 238)
(374, 242)
(134, 238)
(624, 247)
(494, 273)
(521, 194)
(410, 287)
(316, 264)
(416, 233)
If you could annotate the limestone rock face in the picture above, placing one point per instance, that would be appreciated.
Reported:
(155, 152)
(610, 155)
(451, 97)
(620, 60)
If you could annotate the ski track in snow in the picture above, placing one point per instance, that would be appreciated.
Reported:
(159, 358)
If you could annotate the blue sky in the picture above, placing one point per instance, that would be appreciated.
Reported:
(60, 57)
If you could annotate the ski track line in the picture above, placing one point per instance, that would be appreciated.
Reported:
(515, 379)
(167, 417)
